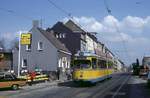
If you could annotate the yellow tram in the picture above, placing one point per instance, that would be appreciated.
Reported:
(92, 68)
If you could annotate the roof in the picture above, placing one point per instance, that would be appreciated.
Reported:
(77, 29)
(146, 57)
(74, 27)
(53, 40)
(59, 27)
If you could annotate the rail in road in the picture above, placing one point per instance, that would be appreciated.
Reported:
(110, 88)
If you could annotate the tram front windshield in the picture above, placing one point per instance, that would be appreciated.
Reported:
(82, 64)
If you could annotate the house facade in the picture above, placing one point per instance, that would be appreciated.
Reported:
(75, 38)
(45, 52)
(74, 41)
(146, 61)
(53, 48)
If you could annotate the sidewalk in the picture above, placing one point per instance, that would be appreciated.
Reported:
(42, 85)
(27, 88)
(138, 88)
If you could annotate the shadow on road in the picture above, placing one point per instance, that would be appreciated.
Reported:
(80, 84)
(6, 89)
(75, 84)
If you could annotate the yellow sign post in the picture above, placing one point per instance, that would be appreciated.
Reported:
(25, 38)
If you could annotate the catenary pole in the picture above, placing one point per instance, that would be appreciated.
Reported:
(19, 54)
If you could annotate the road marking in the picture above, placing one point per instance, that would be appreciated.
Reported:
(123, 83)
(120, 93)
(111, 85)
(83, 95)
(106, 83)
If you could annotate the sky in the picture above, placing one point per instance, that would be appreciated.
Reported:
(125, 32)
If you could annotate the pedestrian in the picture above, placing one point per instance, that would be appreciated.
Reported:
(58, 73)
(32, 77)
(68, 73)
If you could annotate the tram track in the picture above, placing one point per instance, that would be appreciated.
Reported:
(107, 90)
(98, 88)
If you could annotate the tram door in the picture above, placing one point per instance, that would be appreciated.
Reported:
(94, 63)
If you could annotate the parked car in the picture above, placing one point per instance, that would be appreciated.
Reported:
(143, 71)
(34, 77)
(9, 80)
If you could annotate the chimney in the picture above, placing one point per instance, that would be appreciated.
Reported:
(35, 23)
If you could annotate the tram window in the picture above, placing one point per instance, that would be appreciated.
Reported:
(102, 64)
(82, 64)
(110, 64)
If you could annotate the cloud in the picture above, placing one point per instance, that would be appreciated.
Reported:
(8, 39)
(129, 28)
(132, 30)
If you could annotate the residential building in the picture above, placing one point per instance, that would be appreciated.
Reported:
(74, 41)
(90, 39)
(120, 65)
(75, 38)
(5, 60)
(146, 61)
(45, 52)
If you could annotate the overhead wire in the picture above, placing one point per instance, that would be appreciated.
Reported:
(117, 29)
(60, 8)
(72, 18)
(15, 13)
(68, 14)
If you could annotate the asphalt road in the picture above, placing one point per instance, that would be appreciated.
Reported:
(116, 87)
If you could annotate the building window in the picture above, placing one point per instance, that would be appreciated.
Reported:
(63, 35)
(40, 46)
(28, 47)
(24, 63)
(57, 36)
(60, 64)
(60, 35)
(83, 46)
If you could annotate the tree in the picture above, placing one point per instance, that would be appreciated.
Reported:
(137, 62)
(136, 67)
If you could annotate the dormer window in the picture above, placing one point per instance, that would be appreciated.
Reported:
(57, 36)
(60, 35)
(40, 46)
(63, 35)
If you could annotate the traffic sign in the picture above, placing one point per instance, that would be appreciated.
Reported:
(25, 38)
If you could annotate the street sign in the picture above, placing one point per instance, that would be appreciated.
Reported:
(25, 38)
